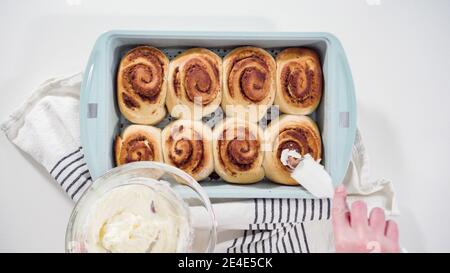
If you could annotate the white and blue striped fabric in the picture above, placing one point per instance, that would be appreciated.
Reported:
(47, 127)
(279, 225)
(72, 174)
(273, 225)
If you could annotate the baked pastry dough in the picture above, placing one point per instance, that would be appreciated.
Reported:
(237, 149)
(299, 81)
(138, 143)
(195, 81)
(187, 145)
(248, 83)
(299, 133)
(142, 85)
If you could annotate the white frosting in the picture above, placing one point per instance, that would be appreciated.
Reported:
(139, 218)
(286, 153)
(310, 174)
(128, 232)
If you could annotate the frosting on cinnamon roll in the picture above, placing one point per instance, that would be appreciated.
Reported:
(142, 85)
(299, 81)
(138, 143)
(194, 82)
(295, 133)
(249, 82)
(237, 151)
(187, 145)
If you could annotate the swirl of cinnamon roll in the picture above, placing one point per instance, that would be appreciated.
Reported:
(187, 145)
(138, 143)
(298, 133)
(299, 81)
(237, 149)
(248, 82)
(195, 85)
(142, 85)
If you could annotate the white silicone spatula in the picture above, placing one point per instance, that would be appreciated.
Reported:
(310, 174)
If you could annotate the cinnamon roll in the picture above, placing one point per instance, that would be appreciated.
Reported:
(187, 145)
(142, 85)
(299, 133)
(299, 81)
(138, 143)
(248, 82)
(237, 149)
(194, 82)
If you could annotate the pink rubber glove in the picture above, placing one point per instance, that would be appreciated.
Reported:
(353, 232)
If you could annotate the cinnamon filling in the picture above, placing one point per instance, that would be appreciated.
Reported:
(201, 80)
(300, 140)
(252, 84)
(129, 101)
(240, 152)
(301, 83)
(143, 52)
(186, 152)
(137, 148)
(144, 78)
(251, 76)
(176, 81)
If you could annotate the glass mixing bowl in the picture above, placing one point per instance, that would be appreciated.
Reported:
(146, 172)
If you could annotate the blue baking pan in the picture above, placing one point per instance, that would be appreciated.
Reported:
(101, 121)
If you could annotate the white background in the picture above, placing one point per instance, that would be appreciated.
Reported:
(399, 53)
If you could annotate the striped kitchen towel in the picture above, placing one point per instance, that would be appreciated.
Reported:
(46, 127)
(272, 225)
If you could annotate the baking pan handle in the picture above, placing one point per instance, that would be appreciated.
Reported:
(90, 111)
(346, 115)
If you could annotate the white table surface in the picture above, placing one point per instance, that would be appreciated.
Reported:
(399, 53)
